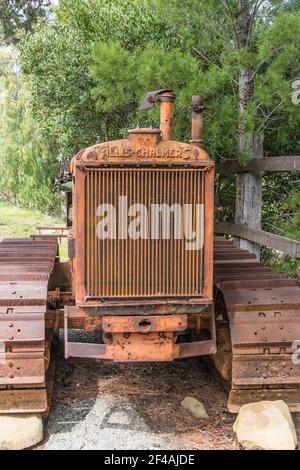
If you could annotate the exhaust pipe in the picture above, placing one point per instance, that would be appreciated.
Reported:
(166, 114)
(197, 121)
(166, 99)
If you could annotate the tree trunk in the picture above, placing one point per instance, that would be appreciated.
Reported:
(248, 185)
(248, 201)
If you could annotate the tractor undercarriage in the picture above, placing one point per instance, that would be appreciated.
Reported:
(257, 319)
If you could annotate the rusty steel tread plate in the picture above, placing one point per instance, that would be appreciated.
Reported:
(31, 309)
(230, 256)
(19, 259)
(246, 277)
(27, 248)
(23, 250)
(25, 268)
(235, 262)
(7, 277)
(19, 328)
(7, 261)
(23, 289)
(237, 398)
(241, 268)
(26, 241)
(254, 285)
(264, 369)
(264, 316)
(23, 401)
(261, 299)
(22, 368)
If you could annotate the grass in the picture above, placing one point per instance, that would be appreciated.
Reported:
(17, 222)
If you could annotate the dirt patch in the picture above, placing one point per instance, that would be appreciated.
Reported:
(153, 392)
(137, 406)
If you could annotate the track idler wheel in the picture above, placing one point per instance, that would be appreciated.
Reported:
(223, 358)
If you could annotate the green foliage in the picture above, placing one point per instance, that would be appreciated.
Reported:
(57, 61)
(123, 77)
(16, 15)
(292, 207)
(278, 57)
(214, 60)
(26, 167)
(87, 69)
(90, 66)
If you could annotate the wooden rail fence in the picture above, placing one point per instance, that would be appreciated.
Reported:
(255, 165)
(277, 242)
(244, 231)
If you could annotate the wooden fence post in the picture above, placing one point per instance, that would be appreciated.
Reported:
(248, 201)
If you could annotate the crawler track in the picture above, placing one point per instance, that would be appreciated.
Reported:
(262, 310)
(25, 268)
(258, 318)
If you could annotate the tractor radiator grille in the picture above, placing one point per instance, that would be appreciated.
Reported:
(121, 267)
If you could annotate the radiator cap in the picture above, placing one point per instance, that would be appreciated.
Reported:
(145, 136)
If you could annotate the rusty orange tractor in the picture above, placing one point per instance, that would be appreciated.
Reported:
(146, 270)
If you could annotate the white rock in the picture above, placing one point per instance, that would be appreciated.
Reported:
(19, 431)
(195, 407)
(266, 425)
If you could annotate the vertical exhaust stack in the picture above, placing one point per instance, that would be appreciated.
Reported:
(166, 100)
(197, 121)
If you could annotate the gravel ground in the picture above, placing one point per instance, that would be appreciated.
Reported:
(137, 406)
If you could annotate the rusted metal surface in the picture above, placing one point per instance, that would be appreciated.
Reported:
(263, 313)
(166, 99)
(158, 346)
(137, 347)
(197, 121)
(140, 338)
(152, 97)
(94, 182)
(22, 327)
(166, 114)
(127, 278)
(237, 398)
(19, 293)
(23, 401)
(208, 234)
(261, 369)
(162, 305)
(25, 267)
(143, 267)
(197, 348)
(21, 368)
(145, 324)
(145, 273)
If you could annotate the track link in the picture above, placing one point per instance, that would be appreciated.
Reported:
(262, 310)
(25, 268)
